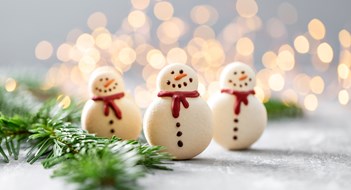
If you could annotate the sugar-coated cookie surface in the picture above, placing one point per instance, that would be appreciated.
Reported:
(239, 117)
(179, 118)
(110, 112)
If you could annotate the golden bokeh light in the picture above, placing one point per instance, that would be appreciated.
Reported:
(343, 71)
(301, 44)
(64, 101)
(84, 42)
(63, 52)
(163, 10)
(269, 59)
(301, 83)
(43, 50)
(93, 53)
(286, 60)
(345, 38)
(103, 40)
(276, 82)
(311, 102)
(177, 55)
(343, 97)
(151, 36)
(204, 32)
(316, 29)
(325, 52)
(97, 19)
(87, 64)
(136, 19)
(156, 59)
(246, 8)
(317, 85)
(245, 46)
(200, 14)
(140, 4)
(10, 84)
(127, 56)
(170, 31)
(204, 14)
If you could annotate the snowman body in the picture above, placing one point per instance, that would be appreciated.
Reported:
(189, 133)
(237, 129)
(110, 112)
(128, 128)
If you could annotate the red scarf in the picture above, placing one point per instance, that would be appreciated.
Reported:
(241, 97)
(177, 97)
(109, 102)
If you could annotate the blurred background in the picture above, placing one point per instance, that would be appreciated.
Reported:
(301, 50)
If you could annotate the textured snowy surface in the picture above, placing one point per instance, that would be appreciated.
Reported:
(313, 152)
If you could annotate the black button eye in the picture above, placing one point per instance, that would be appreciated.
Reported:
(172, 72)
(230, 81)
(101, 80)
(235, 73)
(106, 79)
(181, 71)
(242, 72)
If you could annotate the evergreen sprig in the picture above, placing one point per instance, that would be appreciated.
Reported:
(276, 109)
(53, 136)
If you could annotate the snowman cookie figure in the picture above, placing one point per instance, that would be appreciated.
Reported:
(110, 112)
(179, 118)
(239, 116)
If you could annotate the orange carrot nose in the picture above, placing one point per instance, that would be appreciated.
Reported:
(180, 76)
(243, 77)
(109, 82)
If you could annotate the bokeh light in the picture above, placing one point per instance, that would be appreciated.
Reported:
(301, 44)
(97, 19)
(311, 102)
(294, 66)
(136, 19)
(343, 97)
(10, 84)
(246, 8)
(163, 10)
(316, 29)
(43, 50)
(325, 52)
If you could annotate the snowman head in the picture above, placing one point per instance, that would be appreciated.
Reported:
(237, 76)
(177, 77)
(106, 81)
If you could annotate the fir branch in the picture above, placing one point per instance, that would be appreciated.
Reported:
(276, 109)
(53, 135)
(113, 167)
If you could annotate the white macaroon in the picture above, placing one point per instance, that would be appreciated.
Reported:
(110, 112)
(239, 117)
(179, 119)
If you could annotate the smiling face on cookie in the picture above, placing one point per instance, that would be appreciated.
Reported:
(106, 81)
(177, 77)
(237, 76)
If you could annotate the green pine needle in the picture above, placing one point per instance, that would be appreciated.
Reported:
(53, 135)
(276, 109)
